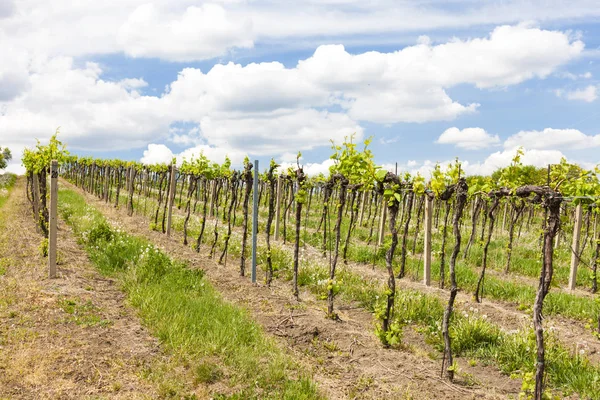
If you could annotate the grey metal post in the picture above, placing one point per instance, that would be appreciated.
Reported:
(254, 219)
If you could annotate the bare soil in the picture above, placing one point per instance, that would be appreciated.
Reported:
(72, 337)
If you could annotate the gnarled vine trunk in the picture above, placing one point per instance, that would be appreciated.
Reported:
(551, 201)
(343, 183)
(461, 198)
(300, 178)
(409, 205)
(272, 194)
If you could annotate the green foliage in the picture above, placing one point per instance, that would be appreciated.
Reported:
(43, 247)
(39, 158)
(357, 166)
(418, 184)
(7, 181)
(393, 336)
(438, 181)
(572, 180)
(5, 157)
(511, 176)
(100, 233)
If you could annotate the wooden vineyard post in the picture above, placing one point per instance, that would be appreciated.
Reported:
(171, 197)
(362, 207)
(278, 208)
(382, 222)
(427, 247)
(127, 184)
(254, 219)
(575, 247)
(106, 181)
(53, 210)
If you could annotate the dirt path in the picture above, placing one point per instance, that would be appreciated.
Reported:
(346, 358)
(72, 337)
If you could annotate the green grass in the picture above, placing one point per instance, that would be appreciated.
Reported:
(185, 312)
(84, 314)
(7, 181)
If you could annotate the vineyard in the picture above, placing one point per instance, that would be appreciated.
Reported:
(497, 274)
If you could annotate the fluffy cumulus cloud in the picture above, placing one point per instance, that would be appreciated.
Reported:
(92, 113)
(498, 159)
(310, 169)
(468, 138)
(157, 154)
(214, 154)
(270, 134)
(553, 139)
(410, 85)
(14, 77)
(161, 154)
(185, 29)
(199, 32)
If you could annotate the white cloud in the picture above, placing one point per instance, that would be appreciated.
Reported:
(389, 141)
(187, 29)
(234, 88)
(410, 85)
(269, 108)
(500, 159)
(587, 94)
(574, 77)
(7, 8)
(157, 154)
(287, 157)
(199, 32)
(92, 113)
(403, 86)
(277, 132)
(214, 154)
(133, 83)
(551, 138)
(468, 138)
(310, 169)
(14, 77)
(496, 160)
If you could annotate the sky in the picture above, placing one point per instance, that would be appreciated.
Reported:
(427, 80)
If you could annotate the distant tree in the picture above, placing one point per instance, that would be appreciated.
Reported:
(5, 157)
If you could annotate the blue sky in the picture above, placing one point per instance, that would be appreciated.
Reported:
(430, 81)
